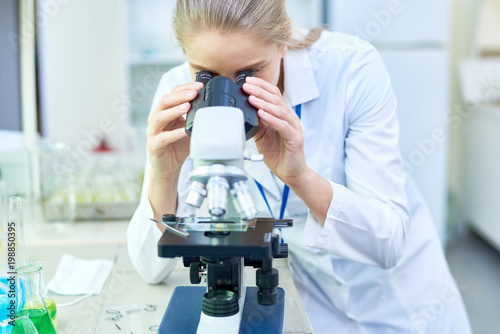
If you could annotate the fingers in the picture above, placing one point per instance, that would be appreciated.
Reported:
(267, 97)
(264, 85)
(284, 128)
(279, 111)
(273, 96)
(172, 106)
(160, 120)
(179, 94)
(156, 144)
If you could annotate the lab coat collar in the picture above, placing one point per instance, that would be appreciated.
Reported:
(299, 81)
(259, 171)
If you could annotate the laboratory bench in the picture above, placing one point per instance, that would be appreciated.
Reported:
(124, 289)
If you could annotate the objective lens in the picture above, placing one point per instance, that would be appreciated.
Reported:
(243, 201)
(217, 188)
(196, 194)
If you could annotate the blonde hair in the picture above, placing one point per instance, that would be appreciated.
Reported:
(267, 19)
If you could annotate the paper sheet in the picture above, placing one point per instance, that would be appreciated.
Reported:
(480, 80)
(80, 277)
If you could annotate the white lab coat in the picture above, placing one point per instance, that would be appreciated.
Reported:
(377, 265)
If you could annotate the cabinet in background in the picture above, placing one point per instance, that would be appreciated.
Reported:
(481, 152)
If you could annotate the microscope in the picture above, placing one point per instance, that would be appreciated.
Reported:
(218, 247)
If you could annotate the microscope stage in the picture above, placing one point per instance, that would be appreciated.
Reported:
(253, 244)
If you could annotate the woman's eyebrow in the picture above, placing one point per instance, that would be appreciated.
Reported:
(251, 66)
(199, 67)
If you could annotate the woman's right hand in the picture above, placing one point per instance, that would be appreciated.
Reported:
(167, 141)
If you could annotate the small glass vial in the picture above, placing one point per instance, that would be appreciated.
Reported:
(30, 301)
(49, 302)
(15, 228)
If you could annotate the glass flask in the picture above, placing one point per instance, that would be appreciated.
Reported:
(12, 254)
(49, 302)
(30, 301)
(24, 322)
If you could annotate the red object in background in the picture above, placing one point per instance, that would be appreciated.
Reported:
(103, 147)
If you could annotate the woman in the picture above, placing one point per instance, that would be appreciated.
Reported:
(365, 255)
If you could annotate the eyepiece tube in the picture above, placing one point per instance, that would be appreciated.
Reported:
(204, 76)
(242, 75)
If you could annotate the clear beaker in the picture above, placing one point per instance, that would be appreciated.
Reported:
(57, 183)
(29, 300)
(12, 255)
(25, 324)
(49, 302)
(3, 203)
(5, 299)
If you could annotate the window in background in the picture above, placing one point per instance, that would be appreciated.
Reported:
(152, 51)
(10, 100)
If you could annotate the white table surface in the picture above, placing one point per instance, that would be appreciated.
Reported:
(107, 240)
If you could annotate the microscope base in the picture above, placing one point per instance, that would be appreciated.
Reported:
(184, 311)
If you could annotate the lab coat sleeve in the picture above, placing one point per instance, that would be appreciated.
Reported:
(142, 233)
(368, 217)
(142, 241)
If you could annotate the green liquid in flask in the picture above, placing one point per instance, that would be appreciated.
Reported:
(51, 307)
(39, 318)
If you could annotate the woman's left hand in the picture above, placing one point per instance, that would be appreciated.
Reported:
(280, 138)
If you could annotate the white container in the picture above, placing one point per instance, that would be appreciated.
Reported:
(481, 152)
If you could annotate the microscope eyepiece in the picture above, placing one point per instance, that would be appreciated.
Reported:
(223, 91)
(204, 77)
(242, 75)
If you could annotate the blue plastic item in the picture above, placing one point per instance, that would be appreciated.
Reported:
(184, 310)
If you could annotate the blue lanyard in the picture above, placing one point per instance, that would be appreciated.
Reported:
(286, 189)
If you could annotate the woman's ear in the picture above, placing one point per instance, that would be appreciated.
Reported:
(284, 50)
